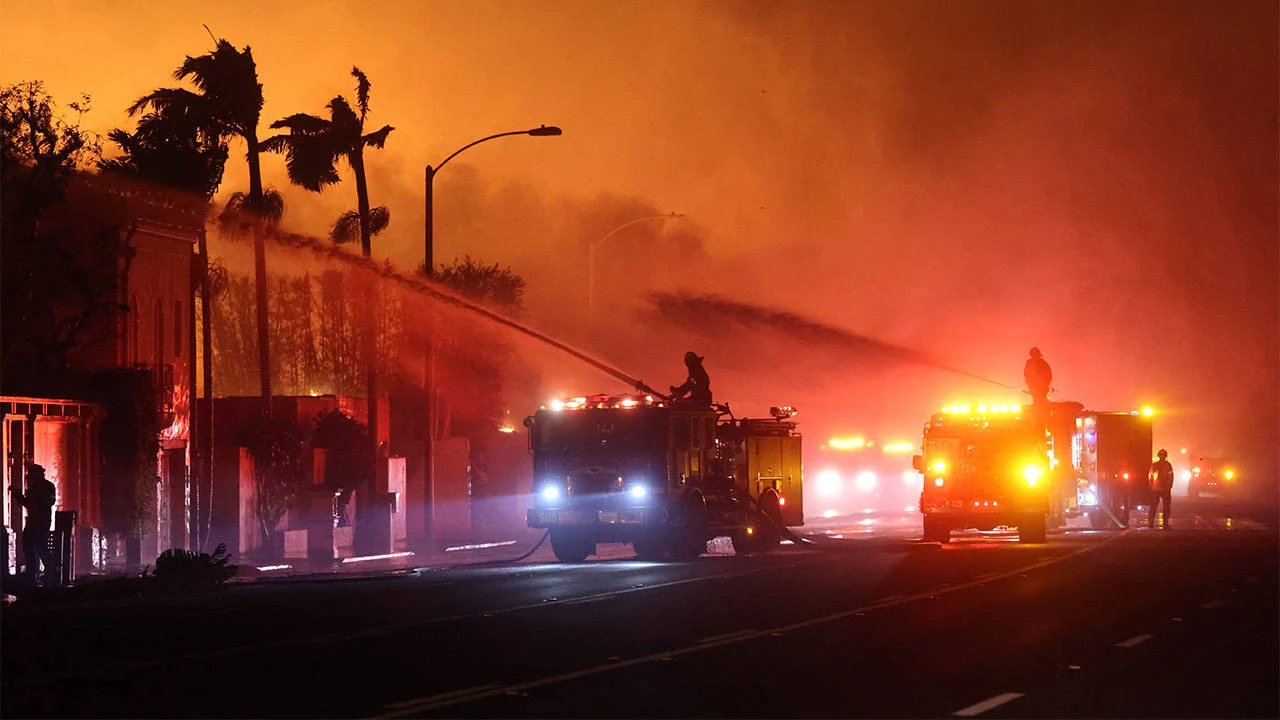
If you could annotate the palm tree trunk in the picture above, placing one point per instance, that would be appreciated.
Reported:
(255, 202)
(370, 334)
(205, 499)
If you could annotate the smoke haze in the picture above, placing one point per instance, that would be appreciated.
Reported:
(962, 180)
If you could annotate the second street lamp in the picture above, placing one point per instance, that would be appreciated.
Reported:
(428, 268)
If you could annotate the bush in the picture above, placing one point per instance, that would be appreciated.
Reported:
(178, 569)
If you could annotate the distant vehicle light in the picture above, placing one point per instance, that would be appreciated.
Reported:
(1032, 474)
(506, 429)
(940, 466)
(825, 513)
(1148, 412)
(1186, 474)
(866, 481)
(1125, 476)
(910, 476)
(782, 501)
(828, 483)
(898, 447)
(839, 443)
(1090, 498)
(937, 482)
(1229, 474)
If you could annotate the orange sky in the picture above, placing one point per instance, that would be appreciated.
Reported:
(967, 178)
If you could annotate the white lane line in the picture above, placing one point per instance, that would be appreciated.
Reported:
(436, 702)
(1135, 640)
(985, 705)
(454, 694)
(726, 636)
(1211, 605)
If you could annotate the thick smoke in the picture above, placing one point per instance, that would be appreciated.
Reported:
(963, 179)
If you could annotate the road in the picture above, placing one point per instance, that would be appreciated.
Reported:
(866, 622)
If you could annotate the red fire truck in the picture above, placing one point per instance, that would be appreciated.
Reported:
(665, 477)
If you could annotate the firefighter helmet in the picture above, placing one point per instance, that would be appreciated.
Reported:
(1035, 352)
(691, 357)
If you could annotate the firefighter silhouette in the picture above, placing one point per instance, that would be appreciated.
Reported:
(698, 386)
(1161, 479)
(1038, 377)
(39, 499)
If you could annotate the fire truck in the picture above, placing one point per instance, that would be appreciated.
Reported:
(664, 476)
(1031, 467)
(1111, 454)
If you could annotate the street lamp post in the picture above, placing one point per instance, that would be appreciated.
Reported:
(591, 254)
(428, 267)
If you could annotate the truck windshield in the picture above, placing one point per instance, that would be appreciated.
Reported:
(601, 432)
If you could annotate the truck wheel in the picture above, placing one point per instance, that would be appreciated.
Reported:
(649, 548)
(571, 547)
(769, 534)
(1032, 529)
(691, 540)
(936, 531)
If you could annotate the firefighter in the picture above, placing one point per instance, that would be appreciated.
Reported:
(1038, 377)
(698, 386)
(39, 500)
(1161, 479)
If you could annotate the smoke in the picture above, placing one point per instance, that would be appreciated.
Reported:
(964, 180)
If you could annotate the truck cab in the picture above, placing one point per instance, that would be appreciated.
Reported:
(664, 477)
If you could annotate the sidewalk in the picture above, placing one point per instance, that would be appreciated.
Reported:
(501, 545)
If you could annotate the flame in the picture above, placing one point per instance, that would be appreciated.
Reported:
(181, 427)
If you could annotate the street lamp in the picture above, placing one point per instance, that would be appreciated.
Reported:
(429, 253)
(428, 267)
(591, 254)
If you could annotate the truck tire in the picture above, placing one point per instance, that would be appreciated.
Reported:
(571, 547)
(936, 530)
(1031, 529)
(651, 548)
(690, 541)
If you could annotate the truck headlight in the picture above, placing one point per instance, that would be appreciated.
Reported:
(1032, 474)
(551, 493)
(638, 491)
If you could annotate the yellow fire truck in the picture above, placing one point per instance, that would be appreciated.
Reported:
(664, 476)
(1030, 467)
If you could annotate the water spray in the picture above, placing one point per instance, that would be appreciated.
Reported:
(440, 292)
(702, 310)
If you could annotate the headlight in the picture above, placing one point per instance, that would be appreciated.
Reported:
(1032, 474)
(940, 466)
(551, 492)
(638, 491)
(866, 481)
(828, 483)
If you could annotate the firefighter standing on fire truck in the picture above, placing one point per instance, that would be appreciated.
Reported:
(1161, 478)
(1038, 376)
(698, 386)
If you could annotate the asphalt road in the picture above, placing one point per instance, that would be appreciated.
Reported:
(864, 623)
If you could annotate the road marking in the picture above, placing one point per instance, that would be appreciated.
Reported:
(985, 705)
(1212, 604)
(436, 702)
(454, 694)
(1135, 640)
(726, 636)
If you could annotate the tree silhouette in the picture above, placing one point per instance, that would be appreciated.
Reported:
(228, 103)
(314, 145)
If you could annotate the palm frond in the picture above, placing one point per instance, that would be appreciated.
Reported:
(302, 123)
(362, 92)
(346, 228)
(164, 99)
(310, 159)
(378, 138)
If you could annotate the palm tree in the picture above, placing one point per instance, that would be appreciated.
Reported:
(228, 104)
(312, 150)
(314, 145)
